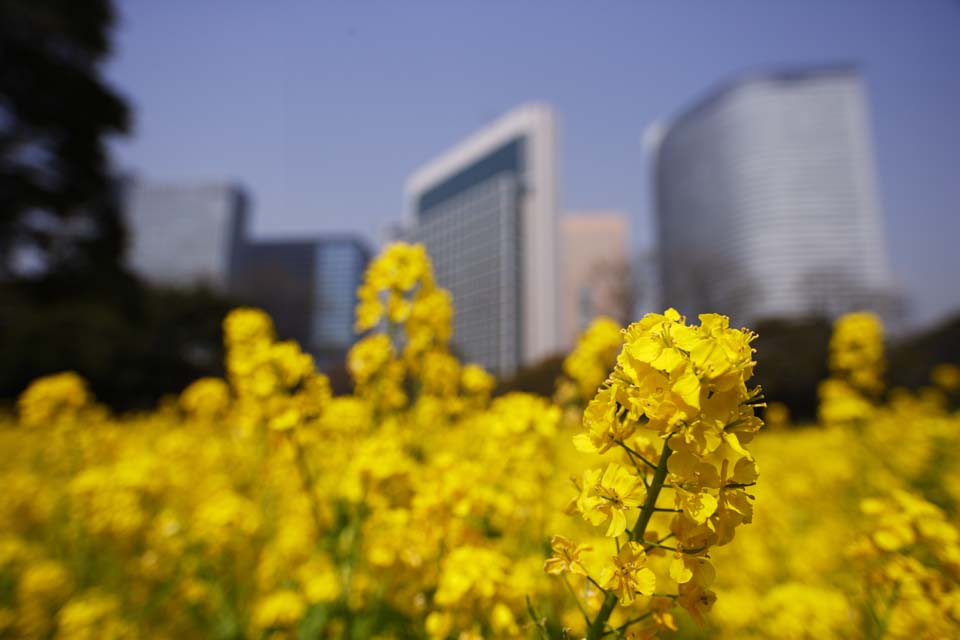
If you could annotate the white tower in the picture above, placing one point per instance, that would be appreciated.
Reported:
(486, 211)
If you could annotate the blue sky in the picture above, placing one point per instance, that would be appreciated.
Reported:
(321, 109)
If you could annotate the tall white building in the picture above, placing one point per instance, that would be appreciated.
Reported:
(183, 234)
(767, 202)
(486, 210)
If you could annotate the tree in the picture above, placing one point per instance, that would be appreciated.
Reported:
(66, 300)
(130, 362)
(58, 205)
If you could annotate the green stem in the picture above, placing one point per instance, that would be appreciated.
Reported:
(636, 454)
(573, 594)
(659, 477)
(307, 481)
(634, 621)
(665, 547)
(626, 624)
(888, 612)
(691, 552)
(596, 584)
(538, 621)
(596, 629)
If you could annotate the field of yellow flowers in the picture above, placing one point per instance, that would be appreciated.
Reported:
(645, 499)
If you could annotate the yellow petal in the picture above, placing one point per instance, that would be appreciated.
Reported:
(584, 443)
(646, 581)
(679, 571)
(688, 388)
(618, 523)
(668, 360)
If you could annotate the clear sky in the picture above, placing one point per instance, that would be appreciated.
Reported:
(321, 109)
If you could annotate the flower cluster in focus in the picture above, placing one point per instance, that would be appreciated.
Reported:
(674, 415)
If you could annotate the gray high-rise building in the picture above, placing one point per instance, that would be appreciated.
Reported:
(184, 234)
(486, 210)
(766, 199)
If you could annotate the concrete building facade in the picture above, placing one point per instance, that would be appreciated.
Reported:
(596, 271)
(486, 210)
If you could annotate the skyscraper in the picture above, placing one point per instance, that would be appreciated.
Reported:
(184, 234)
(595, 270)
(308, 286)
(486, 211)
(766, 199)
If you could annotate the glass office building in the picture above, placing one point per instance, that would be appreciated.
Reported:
(309, 287)
(766, 200)
(486, 212)
(187, 235)
(339, 266)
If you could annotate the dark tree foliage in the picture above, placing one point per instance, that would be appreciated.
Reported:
(130, 361)
(791, 361)
(56, 198)
(911, 359)
(75, 307)
(539, 378)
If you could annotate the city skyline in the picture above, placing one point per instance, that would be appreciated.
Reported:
(195, 234)
(323, 126)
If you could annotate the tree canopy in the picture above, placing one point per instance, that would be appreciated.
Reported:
(58, 203)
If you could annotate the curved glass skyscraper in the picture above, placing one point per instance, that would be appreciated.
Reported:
(766, 200)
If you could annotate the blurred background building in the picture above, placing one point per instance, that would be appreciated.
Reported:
(595, 268)
(766, 200)
(486, 210)
(764, 189)
(184, 234)
(308, 286)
